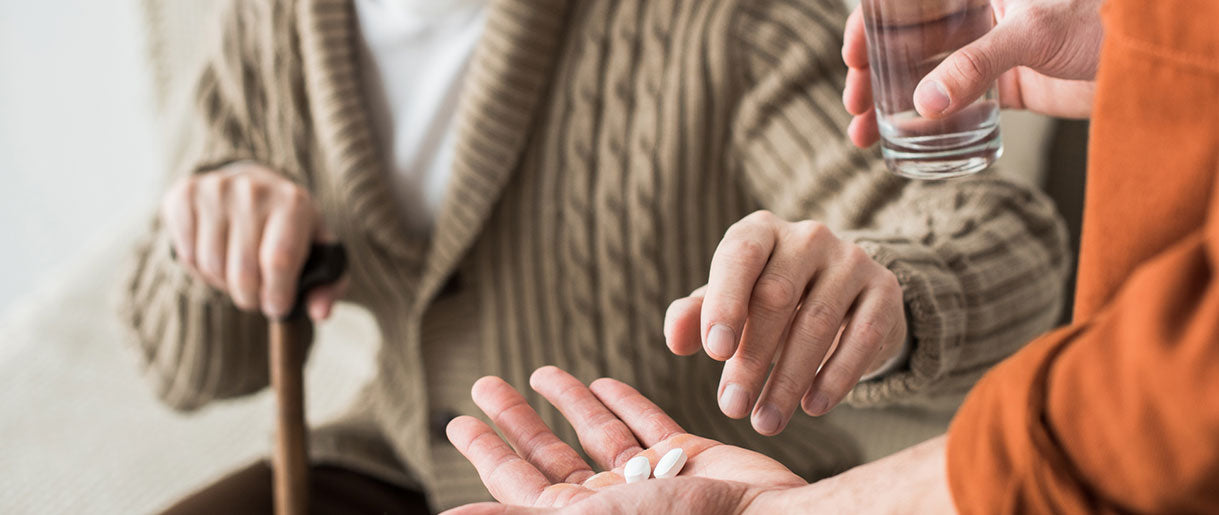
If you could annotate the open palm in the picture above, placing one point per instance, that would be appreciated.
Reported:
(614, 423)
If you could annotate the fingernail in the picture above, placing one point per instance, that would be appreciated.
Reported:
(721, 341)
(932, 97)
(767, 420)
(735, 401)
(819, 404)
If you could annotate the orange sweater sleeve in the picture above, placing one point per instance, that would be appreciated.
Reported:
(1116, 414)
(1119, 412)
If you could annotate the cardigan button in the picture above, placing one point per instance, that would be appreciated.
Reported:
(451, 286)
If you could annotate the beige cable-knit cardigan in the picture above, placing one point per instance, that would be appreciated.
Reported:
(605, 146)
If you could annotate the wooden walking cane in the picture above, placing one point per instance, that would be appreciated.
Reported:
(289, 339)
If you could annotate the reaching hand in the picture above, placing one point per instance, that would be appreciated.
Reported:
(614, 423)
(1044, 53)
(792, 294)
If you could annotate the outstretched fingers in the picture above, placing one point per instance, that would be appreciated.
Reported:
(509, 478)
(604, 437)
(646, 420)
(526, 431)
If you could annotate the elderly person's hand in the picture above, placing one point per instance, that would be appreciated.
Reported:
(1044, 53)
(615, 423)
(246, 231)
(792, 294)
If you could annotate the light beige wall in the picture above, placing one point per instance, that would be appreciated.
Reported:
(79, 156)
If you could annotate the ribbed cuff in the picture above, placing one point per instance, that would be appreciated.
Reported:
(936, 320)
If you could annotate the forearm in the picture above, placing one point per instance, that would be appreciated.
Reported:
(911, 481)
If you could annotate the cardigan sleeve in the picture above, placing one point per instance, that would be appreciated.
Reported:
(195, 344)
(982, 261)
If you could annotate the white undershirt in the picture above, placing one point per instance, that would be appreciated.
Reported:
(414, 57)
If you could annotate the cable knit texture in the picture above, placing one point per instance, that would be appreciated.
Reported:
(604, 148)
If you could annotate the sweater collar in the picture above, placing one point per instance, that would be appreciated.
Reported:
(508, 76)
(342, 124)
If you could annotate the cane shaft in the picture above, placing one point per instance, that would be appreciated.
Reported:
(290, 461)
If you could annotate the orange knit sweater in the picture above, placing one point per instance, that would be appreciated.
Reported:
(1119, 412)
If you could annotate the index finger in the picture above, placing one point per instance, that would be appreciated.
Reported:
(508, 477)
(525, 430)
(605, 438)
(737, 263)
(855, 41)
(649, 423)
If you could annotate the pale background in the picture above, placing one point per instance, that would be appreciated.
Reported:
(81, 157)
(78, 150)
(80, 172)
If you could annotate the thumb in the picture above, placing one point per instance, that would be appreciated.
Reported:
(320, 301)
(682, 327)
(968, 73)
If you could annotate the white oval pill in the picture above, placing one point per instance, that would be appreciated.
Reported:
(638, 469)
(671, 463)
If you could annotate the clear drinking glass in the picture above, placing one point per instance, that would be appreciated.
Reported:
(906, 40)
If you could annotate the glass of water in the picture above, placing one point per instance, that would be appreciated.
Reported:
(906, 40)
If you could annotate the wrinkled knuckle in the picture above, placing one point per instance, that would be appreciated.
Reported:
(971, 64)
(622, 455)
(658, 424)
(835, 387)
(858, 355)
(821, 317)
(279, 260)
(223, 184)
(209, 189)
(183, 190)
(889, 286)
(874, 332)
(732, 313)
(857, 257)
(245, 274)
(810, 234)
(775, 293)
(789, 388)
(248, 189)
(752, 364)
(295, 197)
(762, 216)
(745, 251)
(211, 265)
